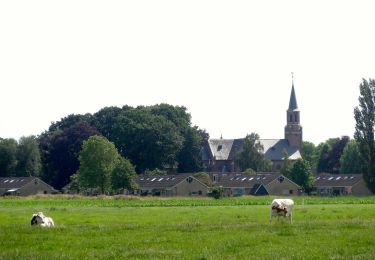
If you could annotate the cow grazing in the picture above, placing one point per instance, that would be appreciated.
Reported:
(39, 219)
(282, 207)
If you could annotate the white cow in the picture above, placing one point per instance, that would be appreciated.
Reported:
(39, 219)
(282, 207)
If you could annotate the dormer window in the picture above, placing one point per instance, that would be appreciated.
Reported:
(219, 147)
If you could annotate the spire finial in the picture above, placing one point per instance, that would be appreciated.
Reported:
(292, 77)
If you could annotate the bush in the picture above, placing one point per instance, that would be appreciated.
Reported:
(216, 192)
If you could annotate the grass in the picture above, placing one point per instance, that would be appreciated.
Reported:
(238, 228)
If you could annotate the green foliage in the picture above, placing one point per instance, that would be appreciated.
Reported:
(216, 192)
(97, 158)
(204, 178)
(28, 157)
(300, 173)
(364, 130)
(330, 154)
(8, 157)
(287, 164)
(252, 155)
(350, 161)
(155, 172)
(189, 158)
(149, 141)
(124, 176)
(249, 172)
(310, 153)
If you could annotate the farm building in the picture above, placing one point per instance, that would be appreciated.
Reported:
(24, 186)
(219, 155)
(259, 184)
(341, 184)
(171, 185)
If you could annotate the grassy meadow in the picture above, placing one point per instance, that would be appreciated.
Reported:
(187, 228)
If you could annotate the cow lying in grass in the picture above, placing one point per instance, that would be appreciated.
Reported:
(40, 220)
(282, 207)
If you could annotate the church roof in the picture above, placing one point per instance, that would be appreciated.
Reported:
(293, 100)
(226, 149)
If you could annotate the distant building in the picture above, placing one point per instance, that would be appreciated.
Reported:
(218, 155)
(24, 186)
(259, 184)
(171, 185)
(341, 184)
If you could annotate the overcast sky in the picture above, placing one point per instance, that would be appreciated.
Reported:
(228, 62)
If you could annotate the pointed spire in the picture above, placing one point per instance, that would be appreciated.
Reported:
(293, 101)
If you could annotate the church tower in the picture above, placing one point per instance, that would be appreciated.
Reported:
(293, 129)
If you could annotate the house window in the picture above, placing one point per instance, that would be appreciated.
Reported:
(189, 180)
(219, 147)
(200, 192)
(290, 192)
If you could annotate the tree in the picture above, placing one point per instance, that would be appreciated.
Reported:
(287, 164)
(60, 150)
(329, 160)
(310, 153)
(28, 157)
(123, 175)
(189, 158)
(70, 120)
(204, 178)
(350, 161)
(364, 130)
(97, 158)
(8, 159)
(300, 173)
(105, 119)
(252, 155)
(149, 141)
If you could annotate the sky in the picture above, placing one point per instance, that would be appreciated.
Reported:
(228, 62)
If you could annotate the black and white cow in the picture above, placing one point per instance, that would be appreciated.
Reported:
(39, 219)
(282, 207)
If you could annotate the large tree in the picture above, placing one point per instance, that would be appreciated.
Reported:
(350, 161)
(98, 159)
(28, 157)
(60, 150)
(364, 115)
(149, 141)
(8, 157)
(252, 155)
(330, 154)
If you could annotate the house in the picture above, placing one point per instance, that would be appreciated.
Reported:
(171, 185)
(219, 155)
(24, 186)
(341, 184)
(258, 184)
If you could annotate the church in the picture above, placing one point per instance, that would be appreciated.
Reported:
(218, 155)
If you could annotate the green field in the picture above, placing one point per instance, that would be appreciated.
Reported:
(236, 228)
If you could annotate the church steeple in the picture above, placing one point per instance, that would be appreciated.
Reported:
(292, 100)
(293, 129)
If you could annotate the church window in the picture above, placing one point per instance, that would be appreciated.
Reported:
(290, 118)
(296, 117)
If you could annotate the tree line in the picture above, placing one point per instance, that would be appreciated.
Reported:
(159, 138)
(152, 138)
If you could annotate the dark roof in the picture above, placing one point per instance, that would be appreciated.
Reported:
(342, 180)
(293, 101)
(226, 149)
(162, 181)
(14, 182)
